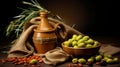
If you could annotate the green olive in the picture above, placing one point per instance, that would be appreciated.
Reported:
(81, 45)
(109, 61)
(82, 60)
(95, 43)
(75, 46)
(85, 38)
(105, 58)
(74, 43)
(78, 37)
(89, 46)
(98, 57)
(109, 56)
(33, 61)
(80, 41)
(89, 41)
(74, 60)
(66, 43)
(74, 36)
(90, 60)
(70, 41)
(115, 59)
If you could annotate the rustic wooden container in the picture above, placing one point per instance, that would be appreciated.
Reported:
(81, 51)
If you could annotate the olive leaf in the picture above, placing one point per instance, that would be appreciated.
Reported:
(16, 25)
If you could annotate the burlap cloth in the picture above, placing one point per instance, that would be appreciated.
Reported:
(54, 56)
(23, 47)
(109, 49)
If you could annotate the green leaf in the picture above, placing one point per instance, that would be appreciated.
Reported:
(26, 14)
(30, 16)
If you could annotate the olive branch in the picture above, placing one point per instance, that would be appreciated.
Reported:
(16, 25)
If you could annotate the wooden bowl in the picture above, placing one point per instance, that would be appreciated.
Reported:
(81, 51)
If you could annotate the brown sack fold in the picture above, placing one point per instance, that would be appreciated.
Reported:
(20, 48)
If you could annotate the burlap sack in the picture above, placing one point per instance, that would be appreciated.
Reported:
(22, 48)
(55, 56)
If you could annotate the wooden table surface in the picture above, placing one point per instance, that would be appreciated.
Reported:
(106, 40)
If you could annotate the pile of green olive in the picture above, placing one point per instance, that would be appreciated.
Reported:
(98, 59)
(80, 41)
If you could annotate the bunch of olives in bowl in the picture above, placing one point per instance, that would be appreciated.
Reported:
(79, 45)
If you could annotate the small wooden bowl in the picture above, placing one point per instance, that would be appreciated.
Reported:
(81, 51)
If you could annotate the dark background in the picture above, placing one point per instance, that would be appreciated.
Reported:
(92, 17)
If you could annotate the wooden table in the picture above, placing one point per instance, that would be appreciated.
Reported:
(109, 40)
